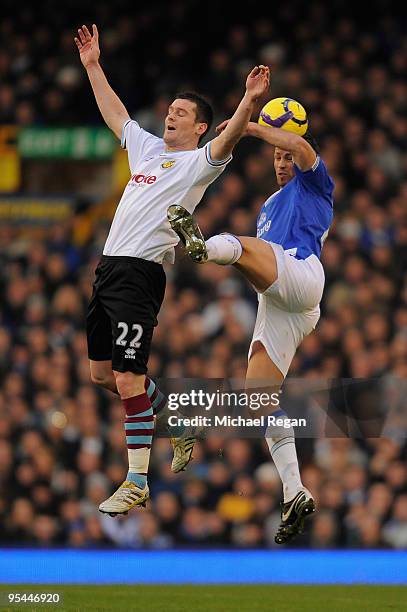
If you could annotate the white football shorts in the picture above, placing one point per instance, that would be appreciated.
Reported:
(289, 309)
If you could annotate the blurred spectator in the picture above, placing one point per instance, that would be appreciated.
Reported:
(395, 530)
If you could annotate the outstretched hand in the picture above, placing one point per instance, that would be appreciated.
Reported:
(88, 45)
(258, 81)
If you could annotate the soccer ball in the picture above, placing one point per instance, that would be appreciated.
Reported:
(285, 113)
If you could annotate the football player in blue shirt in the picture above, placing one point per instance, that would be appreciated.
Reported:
(283, 265)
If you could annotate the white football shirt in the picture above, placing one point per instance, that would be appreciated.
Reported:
(140, 227)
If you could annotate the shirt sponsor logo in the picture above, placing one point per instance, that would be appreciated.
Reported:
(263, 230)
(142, 179)
(168, 164)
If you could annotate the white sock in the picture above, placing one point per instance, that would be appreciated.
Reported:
(139, 459)
(285, 459)
(224, 249)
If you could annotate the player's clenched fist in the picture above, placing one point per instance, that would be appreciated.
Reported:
(88, 45)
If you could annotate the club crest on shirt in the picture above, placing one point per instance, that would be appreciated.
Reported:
(168, 164)
(262, 219)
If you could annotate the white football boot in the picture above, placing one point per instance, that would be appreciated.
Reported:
(127, 496)
(182, 447)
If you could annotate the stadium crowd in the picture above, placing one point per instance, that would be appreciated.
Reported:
(62, 443)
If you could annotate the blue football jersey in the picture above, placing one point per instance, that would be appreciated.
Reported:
(298, 216)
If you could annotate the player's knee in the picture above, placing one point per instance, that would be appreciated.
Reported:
(129, 384)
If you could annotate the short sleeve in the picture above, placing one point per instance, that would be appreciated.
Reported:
(207, 169)
(317, 179)
(139, 143)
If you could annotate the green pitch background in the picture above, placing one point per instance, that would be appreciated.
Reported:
(211, 598)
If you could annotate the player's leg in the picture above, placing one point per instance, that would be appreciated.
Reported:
(298, 502)
(139, 425)
(257, 262)
(288, 310)
(131, 299)
(182, 441)
(101, 374)
(99, 336)
(252, 256)
(263, 372)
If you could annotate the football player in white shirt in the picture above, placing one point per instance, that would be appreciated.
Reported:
(130, 281)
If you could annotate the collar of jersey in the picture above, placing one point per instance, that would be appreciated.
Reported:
(177, 152)
(272, 197)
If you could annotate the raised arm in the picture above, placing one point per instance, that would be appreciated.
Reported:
(111, 107)
(303, 154)
(257, 84)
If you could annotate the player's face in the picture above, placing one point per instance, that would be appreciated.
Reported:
(181, 126)
(284, 166)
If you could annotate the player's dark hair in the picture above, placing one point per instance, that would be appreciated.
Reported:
(311, 140)
(204, 112)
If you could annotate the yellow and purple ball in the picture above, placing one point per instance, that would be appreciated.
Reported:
(284, 113)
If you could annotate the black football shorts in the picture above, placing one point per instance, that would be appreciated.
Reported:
(122, 313)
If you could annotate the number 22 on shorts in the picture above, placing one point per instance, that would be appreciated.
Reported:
(135, 342)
